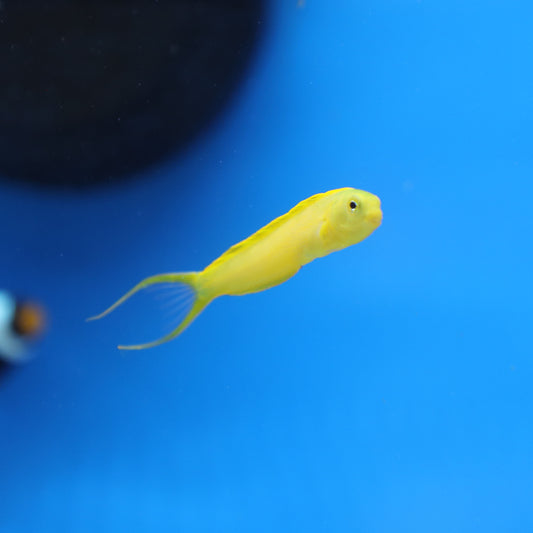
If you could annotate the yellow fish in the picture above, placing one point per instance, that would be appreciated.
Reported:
(315, 227)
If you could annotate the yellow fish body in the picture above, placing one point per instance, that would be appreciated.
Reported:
(315, 227)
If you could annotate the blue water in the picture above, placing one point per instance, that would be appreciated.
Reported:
(385, 388)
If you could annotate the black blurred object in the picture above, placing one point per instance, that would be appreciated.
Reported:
(94, 90)
(4, 367)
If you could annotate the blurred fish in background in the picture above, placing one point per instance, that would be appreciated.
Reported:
(21, 323)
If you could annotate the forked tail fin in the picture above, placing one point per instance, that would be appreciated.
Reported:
(199, 302)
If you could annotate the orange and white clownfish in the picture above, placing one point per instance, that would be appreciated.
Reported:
(21, 321)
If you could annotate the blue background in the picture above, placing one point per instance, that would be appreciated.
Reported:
(384, 388)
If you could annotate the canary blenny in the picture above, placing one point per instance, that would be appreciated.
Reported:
(315, 227)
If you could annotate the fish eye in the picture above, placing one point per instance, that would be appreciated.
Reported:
(353, 205)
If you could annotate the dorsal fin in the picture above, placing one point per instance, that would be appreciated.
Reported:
(269, 228)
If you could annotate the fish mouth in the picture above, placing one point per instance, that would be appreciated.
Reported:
(375, 217)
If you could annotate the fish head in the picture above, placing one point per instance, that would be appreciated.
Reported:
(355, 214)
